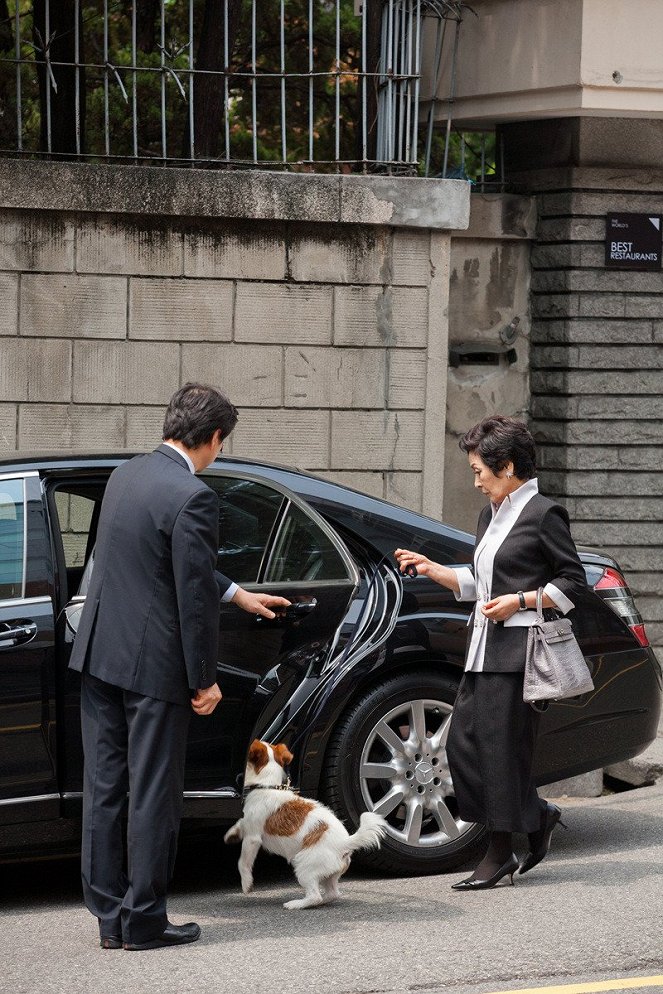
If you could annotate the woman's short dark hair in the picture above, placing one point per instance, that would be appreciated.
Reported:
(499, 441)
(195, 412)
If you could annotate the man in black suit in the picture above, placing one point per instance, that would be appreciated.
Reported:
(147, 648)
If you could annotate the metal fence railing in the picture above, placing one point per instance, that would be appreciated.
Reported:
(300, 84)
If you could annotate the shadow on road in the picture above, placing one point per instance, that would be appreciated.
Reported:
(205, 866)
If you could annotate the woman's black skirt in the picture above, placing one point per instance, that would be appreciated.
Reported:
(490, 751)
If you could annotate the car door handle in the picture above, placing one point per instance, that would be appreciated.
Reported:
(293, 612)
(17, 632)
(301, 608)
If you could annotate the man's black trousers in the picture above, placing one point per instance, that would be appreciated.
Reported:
(132, 744)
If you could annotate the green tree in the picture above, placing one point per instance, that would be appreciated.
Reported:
(62, 115)
(157, 74)
(154, 73)
(7, 99)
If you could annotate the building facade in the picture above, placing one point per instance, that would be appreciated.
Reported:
(362, 320)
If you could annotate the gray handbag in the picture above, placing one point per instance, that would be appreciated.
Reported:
(554, 666)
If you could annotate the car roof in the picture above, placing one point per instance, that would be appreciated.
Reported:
(105, 457)
(52, 459)
(311, 486)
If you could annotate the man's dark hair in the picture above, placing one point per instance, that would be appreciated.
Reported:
(195, 412)
(500, 440)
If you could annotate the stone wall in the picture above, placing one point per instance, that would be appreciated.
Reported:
(118, 284)
(597, 350)
(488, 290)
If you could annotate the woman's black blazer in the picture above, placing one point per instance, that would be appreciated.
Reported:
(538, 550)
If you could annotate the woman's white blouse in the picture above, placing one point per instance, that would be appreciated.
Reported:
(477, 586)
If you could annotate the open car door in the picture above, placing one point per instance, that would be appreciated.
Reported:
(271, 541)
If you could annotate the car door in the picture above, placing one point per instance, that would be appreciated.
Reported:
(270, 541)
(28, 788)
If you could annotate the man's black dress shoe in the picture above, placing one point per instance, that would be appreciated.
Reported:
(110, 933)
(110, 941)
(553, 817)
(172, 935)
(506, 870)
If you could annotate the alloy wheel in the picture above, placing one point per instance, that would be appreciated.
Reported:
(404, 774)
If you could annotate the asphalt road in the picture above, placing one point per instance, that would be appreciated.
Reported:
(592, 911)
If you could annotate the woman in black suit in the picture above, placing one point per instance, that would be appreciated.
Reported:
(523, 542)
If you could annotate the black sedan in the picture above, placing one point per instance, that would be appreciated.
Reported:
(358, 676)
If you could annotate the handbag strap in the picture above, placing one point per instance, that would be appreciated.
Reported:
(539, 606)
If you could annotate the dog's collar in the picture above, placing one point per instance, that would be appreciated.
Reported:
(264, 786)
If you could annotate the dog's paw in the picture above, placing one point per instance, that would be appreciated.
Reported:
(292, 905)
(247, 885)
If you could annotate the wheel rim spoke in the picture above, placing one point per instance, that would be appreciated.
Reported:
(445, 819)
(418, 720)
(413, 823)
(439, 740)
(378, 771)
(389, 737)
(389, 802)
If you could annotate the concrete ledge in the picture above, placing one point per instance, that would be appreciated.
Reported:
(586, 785)
(631, 180)
(400, 202)
(501, 216)
(646, 768)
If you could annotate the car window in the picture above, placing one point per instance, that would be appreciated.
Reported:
(12, 538)
(75, 517)
(247, 512)
(303, 552)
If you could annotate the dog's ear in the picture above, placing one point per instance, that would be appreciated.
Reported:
(282, 754)
(258, 755)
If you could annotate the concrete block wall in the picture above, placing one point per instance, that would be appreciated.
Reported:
(489, 289)
(597, 377)
(330, 337)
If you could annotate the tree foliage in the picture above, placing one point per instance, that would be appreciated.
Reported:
(223, 103)
(144, 102)
(471, 156)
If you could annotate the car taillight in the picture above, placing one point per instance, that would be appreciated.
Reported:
(613, 589)
(640, 634)
(610, 579)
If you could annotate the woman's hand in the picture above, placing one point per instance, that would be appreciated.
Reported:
(405, 558)
(426, 567)
(501, 608)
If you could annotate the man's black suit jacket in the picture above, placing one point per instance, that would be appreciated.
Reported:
(538, 550)
(150, 623)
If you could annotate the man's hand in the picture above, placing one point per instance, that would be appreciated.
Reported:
(206, 700)
(258, 603)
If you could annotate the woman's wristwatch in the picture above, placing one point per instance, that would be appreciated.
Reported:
(521, 598)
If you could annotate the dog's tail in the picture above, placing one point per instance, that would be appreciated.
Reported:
(370, 833)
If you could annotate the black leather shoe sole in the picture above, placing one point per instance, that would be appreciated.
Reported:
(174, 935)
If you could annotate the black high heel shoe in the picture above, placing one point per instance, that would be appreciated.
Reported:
(553, 817)
(506, 870)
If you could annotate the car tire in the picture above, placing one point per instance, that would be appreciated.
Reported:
(356, 748)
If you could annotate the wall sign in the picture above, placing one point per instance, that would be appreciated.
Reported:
(633, 241)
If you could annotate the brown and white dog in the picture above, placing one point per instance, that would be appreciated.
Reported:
(306, 833)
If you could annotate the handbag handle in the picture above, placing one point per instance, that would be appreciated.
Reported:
(539, 606)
